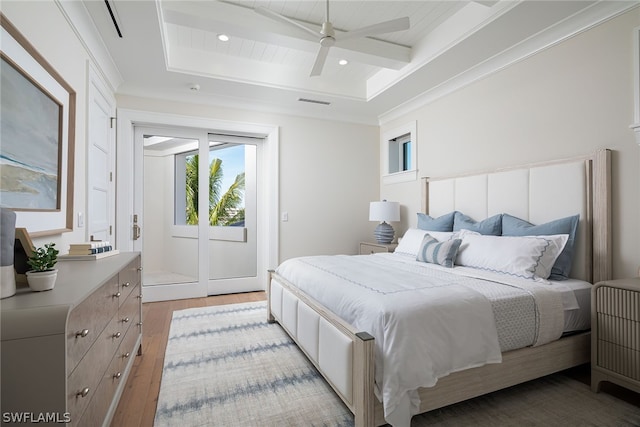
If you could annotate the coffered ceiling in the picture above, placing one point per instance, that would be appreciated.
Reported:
(171, 50)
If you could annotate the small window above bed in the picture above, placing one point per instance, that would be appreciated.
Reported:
(399, 154)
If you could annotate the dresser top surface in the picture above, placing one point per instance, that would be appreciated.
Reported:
(75, 282)
(89, 274)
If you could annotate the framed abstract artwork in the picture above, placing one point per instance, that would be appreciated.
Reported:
(37, 129)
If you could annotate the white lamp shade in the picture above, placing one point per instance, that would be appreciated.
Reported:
(384, 211)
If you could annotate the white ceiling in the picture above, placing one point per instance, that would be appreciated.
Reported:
(168, 47)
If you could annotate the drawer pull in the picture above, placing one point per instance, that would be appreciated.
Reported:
(117, 375)
(139, 324)
(126, 285)
(83, 333)
(83, 393)
(117, 335)
(126, 355)
(125, 320)
(117, 295)
(139, 268)
(139, 296)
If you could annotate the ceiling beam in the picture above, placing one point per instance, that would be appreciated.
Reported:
(244, 23)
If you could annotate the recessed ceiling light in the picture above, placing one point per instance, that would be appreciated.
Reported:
(223, 37)
(343, 62)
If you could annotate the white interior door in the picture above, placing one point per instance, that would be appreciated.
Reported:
(100, 163)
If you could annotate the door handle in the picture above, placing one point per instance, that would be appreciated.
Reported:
(136, 227)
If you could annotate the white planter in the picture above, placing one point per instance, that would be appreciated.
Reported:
(42, 280)
(7, 281)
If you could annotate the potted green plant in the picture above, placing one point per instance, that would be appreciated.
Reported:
(42, 275)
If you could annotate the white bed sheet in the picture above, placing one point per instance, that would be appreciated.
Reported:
(577, 315)
(393, 297)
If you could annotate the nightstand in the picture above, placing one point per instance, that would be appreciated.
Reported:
(615, 333)
(367, 248)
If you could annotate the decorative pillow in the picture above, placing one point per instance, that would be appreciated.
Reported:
(512, 226)
(412, 239)
(441, 253)
(528, 257)
(442, 223)
(490, 226)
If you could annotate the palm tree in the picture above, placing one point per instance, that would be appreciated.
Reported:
(223, 208)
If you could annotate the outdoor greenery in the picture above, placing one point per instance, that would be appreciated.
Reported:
(44, 258)
(224, 209)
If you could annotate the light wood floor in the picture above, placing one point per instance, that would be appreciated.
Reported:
(137, 406)
(138, 402)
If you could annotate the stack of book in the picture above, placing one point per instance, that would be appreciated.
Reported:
(89, 248)
(89, 251)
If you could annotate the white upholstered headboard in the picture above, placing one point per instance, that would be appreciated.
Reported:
(539, 193)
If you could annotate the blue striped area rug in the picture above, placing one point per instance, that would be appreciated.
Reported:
(226, 366)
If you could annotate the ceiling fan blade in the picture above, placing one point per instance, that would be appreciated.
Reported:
(391, 26)
(283, 19)
(320, 60)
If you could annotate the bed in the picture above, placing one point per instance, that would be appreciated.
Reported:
(398, 373)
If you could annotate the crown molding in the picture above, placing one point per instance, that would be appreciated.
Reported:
(600, 12)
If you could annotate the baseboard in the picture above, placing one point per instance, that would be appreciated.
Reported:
(167, 292)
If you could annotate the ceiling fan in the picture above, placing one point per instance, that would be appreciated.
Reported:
(327, 34)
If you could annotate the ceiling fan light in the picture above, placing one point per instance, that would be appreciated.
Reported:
(223, 37)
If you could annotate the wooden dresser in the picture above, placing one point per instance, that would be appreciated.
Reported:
(615, 333)
(66, 353)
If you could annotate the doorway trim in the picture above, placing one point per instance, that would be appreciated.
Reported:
(128, 174)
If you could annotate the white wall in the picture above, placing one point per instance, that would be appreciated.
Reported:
(49, 33)
(568, 100)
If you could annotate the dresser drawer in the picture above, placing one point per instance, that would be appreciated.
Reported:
(128, 278)
(103, 396)
(91, 368)
(127, 349)
(619, 359)
(622, 303)
(88, 320)
(130, 309)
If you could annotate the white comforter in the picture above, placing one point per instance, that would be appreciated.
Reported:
(427, 322)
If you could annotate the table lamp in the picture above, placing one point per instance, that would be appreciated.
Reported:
(384, 211)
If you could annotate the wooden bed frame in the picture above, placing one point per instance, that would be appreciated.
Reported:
(353, 379)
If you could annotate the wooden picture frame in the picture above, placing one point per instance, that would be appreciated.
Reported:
(38, 134)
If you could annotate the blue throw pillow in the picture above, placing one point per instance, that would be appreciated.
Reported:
(490, 226)
(442, 223)
(441, 253)
(512, 226)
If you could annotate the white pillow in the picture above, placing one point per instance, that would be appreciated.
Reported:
(528, 257)
(412, 240)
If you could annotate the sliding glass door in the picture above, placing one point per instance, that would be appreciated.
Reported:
(197, 223)
(170, 241)
(232, 245)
